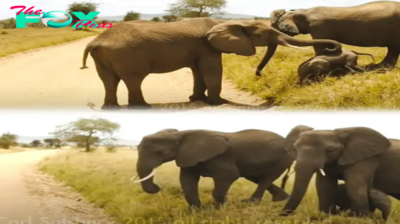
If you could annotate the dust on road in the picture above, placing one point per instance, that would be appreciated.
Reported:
(51, 78)
(31, 197)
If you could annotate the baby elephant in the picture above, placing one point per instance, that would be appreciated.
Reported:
(378, 200)
(318, 67)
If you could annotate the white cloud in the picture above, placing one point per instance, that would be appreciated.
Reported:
(120, 7)
(134, 125)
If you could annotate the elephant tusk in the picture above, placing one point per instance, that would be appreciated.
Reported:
(301, 48)
(145, 178)
(322, 172)
(134, 177)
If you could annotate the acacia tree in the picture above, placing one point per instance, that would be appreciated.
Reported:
(36, 143)
(7, 140)
(84, 7)
(88, 131)
(197, 8)
(131, 15)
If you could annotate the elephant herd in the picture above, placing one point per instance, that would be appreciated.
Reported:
(131, 50)
(367, 162)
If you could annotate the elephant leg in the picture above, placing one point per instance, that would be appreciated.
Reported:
(211, 69)
(326, 186)
(359, 179)
(390, 59)
(135, 94)
(190, 186)
(278, 194)
(265, 183)
(199, 86)
(110, 81)
(221, 188)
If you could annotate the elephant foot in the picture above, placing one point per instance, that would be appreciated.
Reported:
(139, 107)
(252, 200)
(215, 101)
(110, 107)
(280, 197)
(198, 97)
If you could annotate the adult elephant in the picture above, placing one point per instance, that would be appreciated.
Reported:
(131, 50)
(360, 156)
(257, 155)
(373, 24)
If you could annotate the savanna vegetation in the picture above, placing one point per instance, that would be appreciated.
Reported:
(373, 90)
(104, 179)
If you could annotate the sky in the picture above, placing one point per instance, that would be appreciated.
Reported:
(135, 125)
(260, 8)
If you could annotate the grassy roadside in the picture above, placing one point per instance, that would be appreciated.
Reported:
(369, 90)
(17, 40)
(103, 178)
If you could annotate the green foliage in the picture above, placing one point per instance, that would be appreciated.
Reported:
(84, 131)
(169, 18)
(8, 140)
(84, 7)
(156, 19)
(131, 15)
(197, 8)
(52, 142)
(36, 143)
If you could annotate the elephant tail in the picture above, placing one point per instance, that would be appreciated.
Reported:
(85, 54)
(285, 178)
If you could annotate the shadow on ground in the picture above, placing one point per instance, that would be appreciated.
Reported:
(187, 106)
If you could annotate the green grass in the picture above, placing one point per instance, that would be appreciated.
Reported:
(22, 39)
(103, 178)
(278, 83)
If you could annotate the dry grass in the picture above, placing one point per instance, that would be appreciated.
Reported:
(368, 90)
(22, 39)
(103, 178)
(19, 149)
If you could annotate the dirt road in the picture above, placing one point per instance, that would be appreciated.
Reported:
(30, 197)
(50, 78)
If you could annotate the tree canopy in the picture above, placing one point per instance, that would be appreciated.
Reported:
(84, 7)
(197, 8)
(8, 140)
(87, 131)
(131, 15)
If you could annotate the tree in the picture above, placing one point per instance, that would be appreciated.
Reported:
(8, 140)
(169, 18)
(36, 143)
(84, 7)
(52, 142)
(156, 19)
(87, 131)
(197, 8)
(131, 15)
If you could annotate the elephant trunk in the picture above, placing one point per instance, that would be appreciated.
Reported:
(268, 55)
(303, 175)
(146, 173)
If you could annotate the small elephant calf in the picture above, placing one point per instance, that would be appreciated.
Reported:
(319, 66)
(378, 200)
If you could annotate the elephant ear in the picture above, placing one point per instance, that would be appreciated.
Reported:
(276, 14)
(292, 136)
(231, 37)
(199, 146)
(360, 143)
